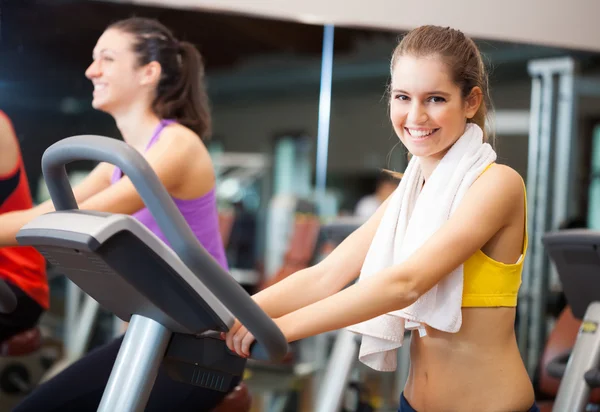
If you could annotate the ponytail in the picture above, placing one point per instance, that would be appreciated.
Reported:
(181, 93)
(186, 100)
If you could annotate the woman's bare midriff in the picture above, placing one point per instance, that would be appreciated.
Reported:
(477, 369)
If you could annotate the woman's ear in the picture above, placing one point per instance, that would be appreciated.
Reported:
(473, 101)
(150, 73)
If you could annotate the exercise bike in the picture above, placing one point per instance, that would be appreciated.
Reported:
(177, 300)
(576, 256)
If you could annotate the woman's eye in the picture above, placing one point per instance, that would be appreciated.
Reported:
(437, 99)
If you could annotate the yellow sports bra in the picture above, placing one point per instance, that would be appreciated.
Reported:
(489, 283)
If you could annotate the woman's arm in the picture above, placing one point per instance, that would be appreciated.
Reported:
(96, 181)
(9, 146)
(318, 282)
(170, 158)
(12, 222)
(334, 272)
(488, 206)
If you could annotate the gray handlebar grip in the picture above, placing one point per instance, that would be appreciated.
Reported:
(592, 378)
(170, 221)
(557, 366)
(258, 352)
(8, 299)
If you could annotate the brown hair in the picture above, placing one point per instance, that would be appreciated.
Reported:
(180, 93)
(462, 57)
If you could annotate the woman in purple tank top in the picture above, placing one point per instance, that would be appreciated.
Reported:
(199, 212)
(153, 86)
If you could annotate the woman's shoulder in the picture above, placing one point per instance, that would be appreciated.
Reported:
(183, 149)
(177, 137)
(184, 134)
(503, 177)
(504, 180)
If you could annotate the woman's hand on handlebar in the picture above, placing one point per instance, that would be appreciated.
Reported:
(239, 339)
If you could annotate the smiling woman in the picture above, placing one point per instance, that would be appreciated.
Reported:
(436, 86)
(442, 256)
(135, 57)
(153, 86)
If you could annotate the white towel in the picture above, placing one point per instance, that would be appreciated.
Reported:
(411, 217)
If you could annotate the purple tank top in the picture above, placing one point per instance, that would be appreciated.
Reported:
(200, 213)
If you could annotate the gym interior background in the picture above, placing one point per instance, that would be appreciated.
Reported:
(264, 81)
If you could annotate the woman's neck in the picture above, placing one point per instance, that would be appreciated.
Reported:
(428, 165)
(136, 126)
